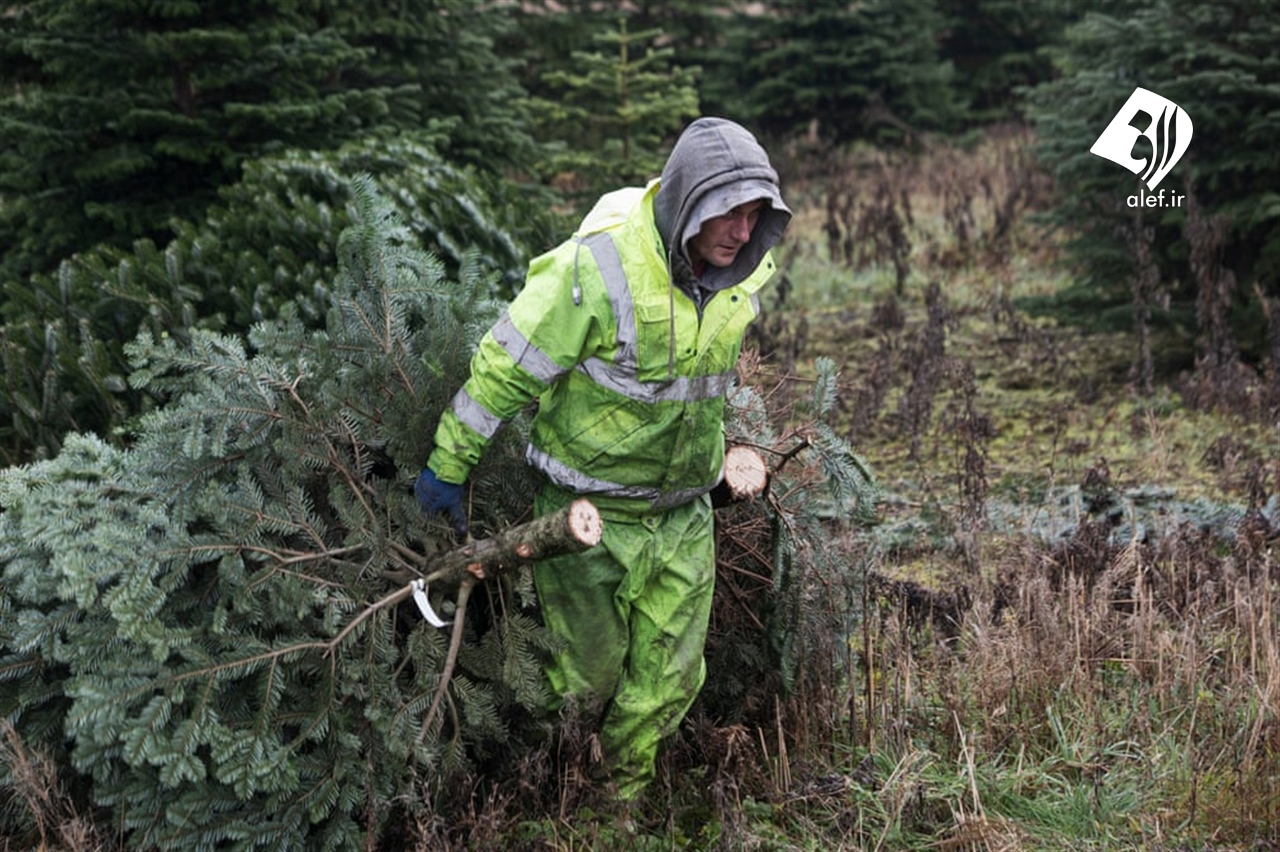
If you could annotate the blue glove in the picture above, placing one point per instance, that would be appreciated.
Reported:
(436, 496)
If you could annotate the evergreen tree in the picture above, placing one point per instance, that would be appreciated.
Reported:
(998, 47)
(1215, 61)
(548, 33)
(614, 110)
(118, 117)
(705, 37)
(699, 36)
(858, 70)
(197, 629)
(468, 95)
(197, 616)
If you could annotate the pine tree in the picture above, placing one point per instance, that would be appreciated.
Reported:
(860, 71)
(118, 117)
(196, 615)
(615, 109)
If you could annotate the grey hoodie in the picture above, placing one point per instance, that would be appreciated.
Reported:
(715, 166)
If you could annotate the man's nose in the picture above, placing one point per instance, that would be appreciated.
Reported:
(740, 228)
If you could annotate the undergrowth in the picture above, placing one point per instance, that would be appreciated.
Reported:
(1071, 640)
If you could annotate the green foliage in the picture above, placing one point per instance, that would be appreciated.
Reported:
(614, 109)
(117, 117)
(268, 242)
(862, 71)
(702, 38)
(1217, 62)
(998, 47)
(448, 51)
(709, 37)
(856, 71)
(190, 626)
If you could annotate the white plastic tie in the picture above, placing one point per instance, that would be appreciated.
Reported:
(424, 604)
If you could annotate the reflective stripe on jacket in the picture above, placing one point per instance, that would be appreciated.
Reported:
(631, 376)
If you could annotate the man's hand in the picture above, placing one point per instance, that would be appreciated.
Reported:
(446, 497)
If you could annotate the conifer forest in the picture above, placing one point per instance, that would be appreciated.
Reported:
(1014, 581)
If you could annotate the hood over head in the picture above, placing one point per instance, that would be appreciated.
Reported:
(715, 166)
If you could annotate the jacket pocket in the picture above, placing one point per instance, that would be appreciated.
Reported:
(656, 319)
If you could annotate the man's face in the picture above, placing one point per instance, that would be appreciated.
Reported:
(722, 236)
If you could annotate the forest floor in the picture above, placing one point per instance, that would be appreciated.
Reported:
(1049, 374)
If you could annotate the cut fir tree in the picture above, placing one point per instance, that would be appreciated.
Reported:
(185, 621)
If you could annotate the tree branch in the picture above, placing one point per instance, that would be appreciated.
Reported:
(451, 659)
(573, 529)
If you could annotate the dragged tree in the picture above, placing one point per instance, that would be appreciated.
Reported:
(170, 611)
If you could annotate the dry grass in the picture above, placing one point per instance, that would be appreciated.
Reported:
(1126, 679)
(54, 822)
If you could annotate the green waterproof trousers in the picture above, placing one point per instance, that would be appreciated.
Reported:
(632, 613)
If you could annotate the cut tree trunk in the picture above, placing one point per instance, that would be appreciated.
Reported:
(573, 529)
(745, 472)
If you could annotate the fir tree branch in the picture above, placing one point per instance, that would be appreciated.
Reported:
(409, 555)
(800, 447)
(294, 557)
(355, 483)
(367, 613)
(783, 456)
(334, 457)
(385, 342)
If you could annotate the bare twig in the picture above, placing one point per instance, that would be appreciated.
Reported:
(451, 659)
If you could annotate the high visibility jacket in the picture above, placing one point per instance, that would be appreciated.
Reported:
(631, 375)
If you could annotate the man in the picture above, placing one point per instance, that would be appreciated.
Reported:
(628, 334)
